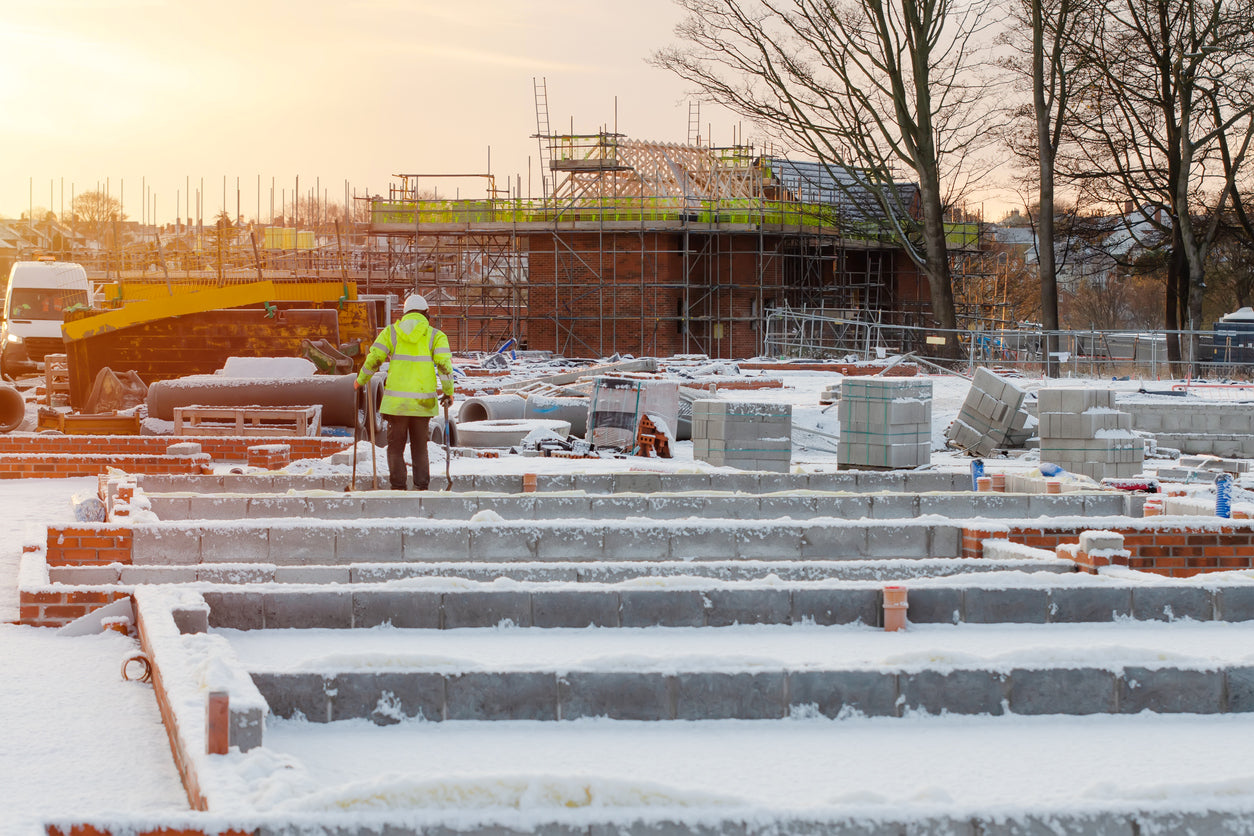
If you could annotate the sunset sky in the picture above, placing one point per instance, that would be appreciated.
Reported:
(151, 92)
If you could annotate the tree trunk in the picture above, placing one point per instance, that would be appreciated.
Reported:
(1046, 268)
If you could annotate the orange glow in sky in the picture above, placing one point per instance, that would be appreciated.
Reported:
(144, 94)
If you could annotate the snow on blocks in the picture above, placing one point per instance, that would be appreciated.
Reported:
(1082, 432)
(748, 436)
(990, 416)
(885, 423)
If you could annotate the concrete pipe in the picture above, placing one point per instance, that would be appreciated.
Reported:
(334, 393)
(12, 409)
(437, 429)
(574, 410)
(505, 433)
(491, 408)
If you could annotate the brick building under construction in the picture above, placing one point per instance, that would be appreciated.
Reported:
(646, 248)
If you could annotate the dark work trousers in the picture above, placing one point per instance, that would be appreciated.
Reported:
(414, 429)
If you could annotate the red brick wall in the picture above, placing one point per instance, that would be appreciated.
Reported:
(216, 446)
(56, 609)
(33, 465)
(1162, 547)
(89, 545)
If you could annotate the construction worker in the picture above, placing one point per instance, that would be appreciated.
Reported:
(418, 354)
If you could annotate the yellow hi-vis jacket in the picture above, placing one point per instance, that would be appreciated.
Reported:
(417, 353)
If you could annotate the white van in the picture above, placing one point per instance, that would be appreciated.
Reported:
(35, 302)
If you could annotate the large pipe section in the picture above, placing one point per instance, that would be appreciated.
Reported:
(12, 409)
(334, 393)
(573, 410)
(491, 408)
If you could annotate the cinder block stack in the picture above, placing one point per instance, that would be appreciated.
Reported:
(749, 436)
(991, 412)
(885, 423)
(1081, 431)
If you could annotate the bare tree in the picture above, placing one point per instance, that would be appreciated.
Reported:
(1045, 62)
(95, 212)
(865, 87)
(1166, 121)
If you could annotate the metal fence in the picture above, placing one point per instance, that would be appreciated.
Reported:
(1144, 354)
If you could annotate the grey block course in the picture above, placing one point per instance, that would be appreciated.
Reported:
(835, 693)
(834, 541)
(956, 692)
(836, 606)
(1076, 604)
(935, 605)
(486, 609)
(234, 573)
(305, 610)
(503, 542)
(662, 608)
(212, 507)
(765, 542)
(619, 695)
(435, 543)
(313, 574)
(157, 574)
(370, 544)
(1000, 606)
(298, 546)
(362, 695)
(738, 696)
(1240, 689)
(501, 696)
(1171, 691)
(725, 607)
(574, 608)
(897, 541)
(1235, 603)
(575, 543)
(234, 545)
(289, 694)
(635, 542)
(400, 608)
(236, 610)
(1168, 603)
(165, 546)
(1062, 691)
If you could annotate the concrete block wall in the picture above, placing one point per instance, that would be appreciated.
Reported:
(991, 410)
(749, 436)
(1219, 429)
(1082, 432)
(885, 423)
(762, 695)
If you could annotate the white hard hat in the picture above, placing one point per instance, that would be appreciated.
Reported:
(415, 302)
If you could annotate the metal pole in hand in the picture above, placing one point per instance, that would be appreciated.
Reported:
(448, 430)
(374, 458)
(356, 435)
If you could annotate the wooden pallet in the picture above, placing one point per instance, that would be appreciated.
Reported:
(248, 420)
(56, 379)
(106, 423)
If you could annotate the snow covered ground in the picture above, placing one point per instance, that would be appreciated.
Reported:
(78, 741)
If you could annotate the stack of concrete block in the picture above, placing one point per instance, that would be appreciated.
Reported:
(1082, 432)
(885, 423)
(749, 436)
(991, 412)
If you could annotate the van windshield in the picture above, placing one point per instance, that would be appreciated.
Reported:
(43, 302)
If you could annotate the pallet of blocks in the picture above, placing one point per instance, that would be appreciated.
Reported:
(1081, 431)
(885, 423)
(748, 436)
